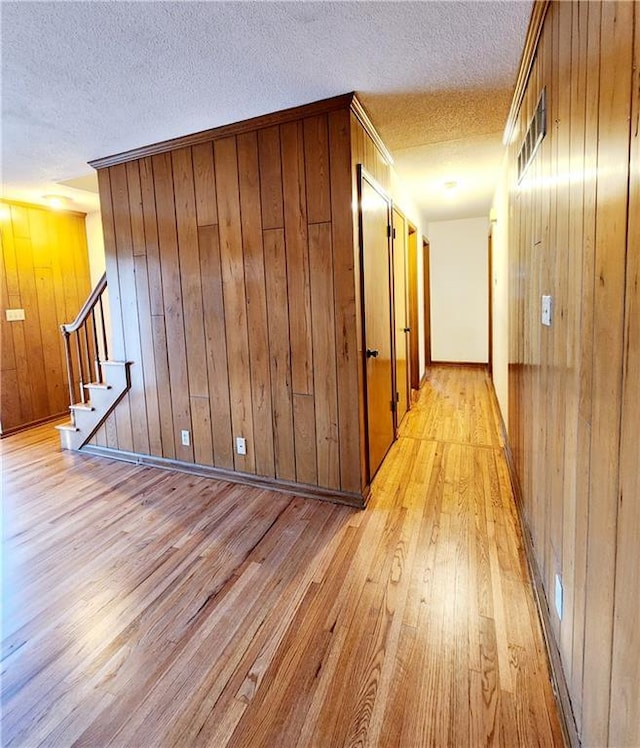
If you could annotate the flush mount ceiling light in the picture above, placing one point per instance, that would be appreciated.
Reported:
(451, 185)
(57, 202)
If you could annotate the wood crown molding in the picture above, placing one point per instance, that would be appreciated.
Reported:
(365, 121)
(344, 101)
(536, 22)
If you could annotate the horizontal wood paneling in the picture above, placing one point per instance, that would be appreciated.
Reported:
(574, 236)
(243, 312)
(45, 271)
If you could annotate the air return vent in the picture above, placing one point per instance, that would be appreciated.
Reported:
(535, 133)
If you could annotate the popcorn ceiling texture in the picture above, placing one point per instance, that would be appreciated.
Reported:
(82, 80)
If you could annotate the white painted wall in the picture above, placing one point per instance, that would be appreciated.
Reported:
(500, 292)
(459, 290)
(95, 245)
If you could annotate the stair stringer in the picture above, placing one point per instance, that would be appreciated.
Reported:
(103, 398)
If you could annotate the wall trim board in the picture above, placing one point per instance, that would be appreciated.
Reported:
(254, 481)
(32, 424)
(466, 364)
(344, 101)
(538, 14)
(558, 678)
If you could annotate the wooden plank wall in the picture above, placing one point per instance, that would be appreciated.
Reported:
(45, 271)
(575, 387)
(231, 263)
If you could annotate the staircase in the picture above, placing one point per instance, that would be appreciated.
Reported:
(96, 384)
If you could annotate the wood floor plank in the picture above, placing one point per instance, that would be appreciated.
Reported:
(148, 607)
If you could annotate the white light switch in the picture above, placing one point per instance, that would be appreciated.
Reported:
(547, 310)
(241, 445)
(15, 315)
(186, 438)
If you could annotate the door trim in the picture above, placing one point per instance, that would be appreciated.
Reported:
(363, 174)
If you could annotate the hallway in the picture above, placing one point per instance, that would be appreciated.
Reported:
(150, 608)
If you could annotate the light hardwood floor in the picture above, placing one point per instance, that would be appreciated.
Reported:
(149, 608)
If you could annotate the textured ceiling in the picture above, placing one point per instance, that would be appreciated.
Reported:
(81, 80)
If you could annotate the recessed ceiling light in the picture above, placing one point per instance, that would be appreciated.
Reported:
(57, 202)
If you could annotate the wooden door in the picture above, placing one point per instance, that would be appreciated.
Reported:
(374, 237)
(403, 389)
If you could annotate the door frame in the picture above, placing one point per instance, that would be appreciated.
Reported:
(396, 209)
(426, 297)
(414, 320)
(363, 174)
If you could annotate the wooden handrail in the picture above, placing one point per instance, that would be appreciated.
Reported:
(87, 307)
(86, 337)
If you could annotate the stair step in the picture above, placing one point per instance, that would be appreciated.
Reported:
(103, 397)
(97, 386)
(82, 406)
(67, 427)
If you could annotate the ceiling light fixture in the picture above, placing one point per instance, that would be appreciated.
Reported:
(57, 202)
(451, 185)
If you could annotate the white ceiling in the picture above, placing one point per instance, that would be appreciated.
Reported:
(81, 80)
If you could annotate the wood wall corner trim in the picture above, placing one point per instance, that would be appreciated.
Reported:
(323, 106)
(536, 22)
(364, 119)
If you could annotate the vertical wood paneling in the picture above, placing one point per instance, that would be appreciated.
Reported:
(316, 165)
(155, 324)
(152, 248)
(304, 424)
(217, 362)
(574, 296)
(232, 263)
(324, 346)
(583, 467)
(42, 275)
(271, 197)
(191, 282)
(131, 416)
(172, 299)
(247, 299)
(278, 316)
(169, 437)
(345, 282)
(295, 228)
(254, 275)
(610, 249)
(205, 185)
(568, 416)
(624, 710)
(151, 384)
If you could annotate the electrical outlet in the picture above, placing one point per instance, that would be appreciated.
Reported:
(559, 596)
(241, 445)
(15, 315)
(186, 438)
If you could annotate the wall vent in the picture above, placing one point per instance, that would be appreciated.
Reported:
(535, 133)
